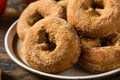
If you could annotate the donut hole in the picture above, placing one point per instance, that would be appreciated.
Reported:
(109, 40)
(98, 5)
(57, 0)
(34, 18)
(52, 46)
(45, 42)
(64, 13)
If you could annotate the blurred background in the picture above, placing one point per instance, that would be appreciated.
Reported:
(12, 9)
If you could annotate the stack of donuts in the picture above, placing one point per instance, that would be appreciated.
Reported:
(57, 34)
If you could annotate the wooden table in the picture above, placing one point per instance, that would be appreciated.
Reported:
(10, 70)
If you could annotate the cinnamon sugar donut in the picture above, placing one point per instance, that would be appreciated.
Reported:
(36, 11)
(51, 45)
(100, 55)
(94, 18)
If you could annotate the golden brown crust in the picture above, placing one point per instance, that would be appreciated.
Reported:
(88, 43)
(36, 11)
(51, 45)
(98, 58)
(94, 18)
(64, 3)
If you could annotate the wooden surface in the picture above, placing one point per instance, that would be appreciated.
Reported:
(10, 70)
(0, 74)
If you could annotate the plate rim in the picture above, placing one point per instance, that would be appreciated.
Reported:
(48, 74)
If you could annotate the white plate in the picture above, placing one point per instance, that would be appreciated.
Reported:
(13, 46)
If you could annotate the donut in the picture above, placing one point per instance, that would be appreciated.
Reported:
(100, 55)
(51, 45)
(94, 18)
(35, 12)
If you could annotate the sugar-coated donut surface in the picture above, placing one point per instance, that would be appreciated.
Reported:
(51, 45)
(36, 11)
(100, 55)
(94, 18)
(63, 3)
